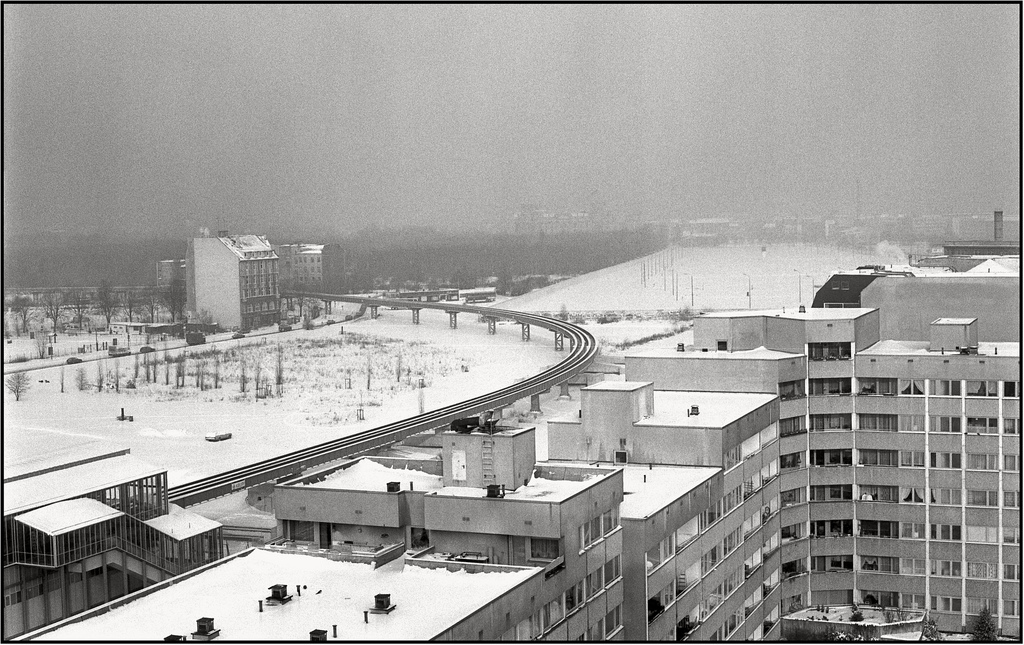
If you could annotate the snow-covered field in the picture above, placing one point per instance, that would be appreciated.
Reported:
(170, 425)
(781, 275)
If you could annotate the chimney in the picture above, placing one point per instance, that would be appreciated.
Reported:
(998, 226)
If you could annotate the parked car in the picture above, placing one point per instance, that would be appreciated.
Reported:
(330, 321)
(74, 360)
(146, 349)
(218, 436)
(284, 327)
(195, 338)
(116, 351)
(237, 335)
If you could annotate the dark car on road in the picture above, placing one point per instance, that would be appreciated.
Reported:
(237, 335)
(146, 349)
(74, 360)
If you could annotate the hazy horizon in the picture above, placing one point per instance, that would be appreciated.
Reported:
(168, 118)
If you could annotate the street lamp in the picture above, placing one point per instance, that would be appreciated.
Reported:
(750, 288)
(691, 288)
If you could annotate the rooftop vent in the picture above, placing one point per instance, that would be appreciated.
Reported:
(278, 595)
(802, 309)
(174, 638)
(318, 636)
(465, 426)
(693, 411)
(394, 487)
(382, 604)
(621, 457)
(205, 630)
(495, 490)
(681, 347)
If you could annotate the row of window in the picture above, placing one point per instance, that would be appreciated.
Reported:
(897, 458)
(898, 494)
(598, 527)
(954, 604)
(553, 612)
(873, 386)
(897, 423)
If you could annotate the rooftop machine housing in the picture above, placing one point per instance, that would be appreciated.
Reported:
(954, 335)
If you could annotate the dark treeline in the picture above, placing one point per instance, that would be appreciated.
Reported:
(371, 258)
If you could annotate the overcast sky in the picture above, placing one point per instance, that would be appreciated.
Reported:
(268, 118)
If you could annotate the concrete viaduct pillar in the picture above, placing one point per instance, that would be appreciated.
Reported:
(453, 319)
(559, 341)
(535, 404)
(563, 391)
(491, 325)
(415, 316)
(526, 331)
(373, 312)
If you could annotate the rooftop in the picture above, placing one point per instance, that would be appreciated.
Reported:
(811, 313)
(75, 481)
(920, 348)
(21, 466)
(617, 386)
(368, 475)
(539, 488)
(758, 354)
(648, 490)
(181, 524)
(954, 321)
(427, 601)
(717, 409)
(69, 515)
(244, 245)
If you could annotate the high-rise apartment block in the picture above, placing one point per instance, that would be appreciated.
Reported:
(233, 280)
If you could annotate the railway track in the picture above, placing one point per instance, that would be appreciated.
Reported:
(582, 351)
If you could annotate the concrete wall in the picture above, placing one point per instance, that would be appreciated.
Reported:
(215, 280)
(701, 372)
(909, 305)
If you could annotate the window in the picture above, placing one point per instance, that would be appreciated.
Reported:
(913, 567)
(945, 424)
(792, 426)
(796, 567)
(913, 458)
(946, 568)
(832, 457)
(945, 460)
(723, 345)
(982, 461)
(829, 386)
(945, 532)
(981, 388)
(983, 425)
(882, 529)
(574, 597)
(945, 388)
(1011, 462)
(610, 520)
(792, 496)
(824, 422)
(1011, 499)
(831, 492)
(912, 531)
(1011, 426)
(881, 564)
(911, 387)
(975, 605)
(791, 460)
(877, 386)
(879, 457)
(612, 620)
(832, 562)
(595, 582)
(828, 351)
(612, 570)
(983, 570)
(1011, 571)
(948, 496)
(544, 548)
(791, 390)
(1011, 389)
(987, 534)
(1011, 608)
(832, 528)
(946, 603)
(909, 495)
(913, 601)
(792, 532)
(880, 493)
(882, 422)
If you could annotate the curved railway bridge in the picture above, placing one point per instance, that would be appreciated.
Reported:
(582, 351)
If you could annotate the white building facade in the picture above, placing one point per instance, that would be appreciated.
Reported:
(233, 281)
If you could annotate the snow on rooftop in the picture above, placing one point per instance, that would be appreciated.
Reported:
(17, 466)
(367, 474)
(68, 515)
(810, 313)
(716, 409)
(760, 353)
(618, 386)
(427, 601)
(243, 244)
(58, 485)
(539, 488)
(954, 321)
(180, 523)
(648, 490)
(921, 348)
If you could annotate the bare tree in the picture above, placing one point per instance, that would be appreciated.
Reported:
(257, 372)
(243, 375)
(174, 298)
(41, 342)
(21, 307)
(179, 371)
(81, 380)
(201, 374)
(81, 305)
(132, 304)
(62, 379)
(17, 384)
(135, 375)
(279, 368)
(117, 375)
(167, 369)
(99, 376)
(107, 302)
(216, 368)
(151, 300)
(54, 303)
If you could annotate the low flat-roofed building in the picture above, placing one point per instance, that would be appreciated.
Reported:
(753, 370)
(83, 529)
(424, 603)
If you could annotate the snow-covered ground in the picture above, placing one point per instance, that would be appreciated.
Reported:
(170, 425)
(781, 275)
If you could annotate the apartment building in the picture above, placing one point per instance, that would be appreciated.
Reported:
(233, 279)
(899, 460)
(86, 528)
(300, 265)
(701, 505)
(485, 502)
(167, 271)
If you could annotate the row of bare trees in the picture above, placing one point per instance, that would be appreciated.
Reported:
(108, 302)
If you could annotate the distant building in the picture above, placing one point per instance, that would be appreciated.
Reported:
(538, 220)
(169, 270)
(85, 528)
(234, 280)
(300, 266)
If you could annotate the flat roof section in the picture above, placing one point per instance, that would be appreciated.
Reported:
(649, 490)
(21, 466)
(427, 601)
(921, 348)
(50, 487)
(539, 489)
(716, 409)
(829, 313)
(368, 475)
(954, 321)
(69, 515)
(617, 386)
(182, 524)
(759, 354)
